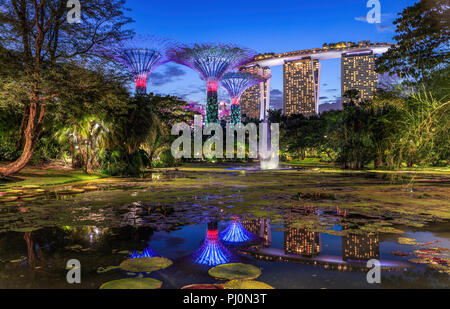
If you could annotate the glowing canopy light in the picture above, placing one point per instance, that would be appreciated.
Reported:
(212, 62)
(147, 253)
(236, 83)
(141, 55)
(236, 233)
(212, 252)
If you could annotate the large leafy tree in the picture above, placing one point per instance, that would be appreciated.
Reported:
(423, 35)
(38, 30)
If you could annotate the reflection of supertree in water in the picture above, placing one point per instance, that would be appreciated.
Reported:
(236, 83)
(141, 56)
(147, 253)
(236, 233)
(212, 62)
(212, 252)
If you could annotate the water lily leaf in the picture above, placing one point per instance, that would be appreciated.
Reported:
(102, 270)
(203, 287)
(132, 284)
(26, 229)
(7, 199)
(247, 285)
(145, 265)
(90, 188)
(407, 241)
(235, 271)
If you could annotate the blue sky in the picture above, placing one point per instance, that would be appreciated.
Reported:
(265, 26)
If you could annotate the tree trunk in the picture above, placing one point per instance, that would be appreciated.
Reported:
(31, 134)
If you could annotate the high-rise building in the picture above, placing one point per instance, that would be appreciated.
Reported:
(301, 87)
(358, 73)
(302, 242)
(261, 228)
(255, 102)
(357, 247)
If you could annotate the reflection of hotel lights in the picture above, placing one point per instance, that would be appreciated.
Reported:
(212, 252)
(236, 233)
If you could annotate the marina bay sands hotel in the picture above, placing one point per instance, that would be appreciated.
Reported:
(301, 77)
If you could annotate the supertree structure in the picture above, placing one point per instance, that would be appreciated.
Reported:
(236, 233)
(147, 253)
(236, 83)
(212, 62)
(141, 55)
(212, 252)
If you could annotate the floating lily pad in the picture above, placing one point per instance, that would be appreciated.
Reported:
(102, 270)
(400, 253)
(71, 192)
(204, 287)
(7, 199)
(25, 229)
(31, 187)
(407, 241)
(235, 271)
(90, 188)
(34, 192)
(132, 284)
(247, 285)
(145, 265)
(13, 193)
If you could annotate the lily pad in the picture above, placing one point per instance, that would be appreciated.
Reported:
(247, 285)
(102, 270)
(235, 271)
(90, 188)
(13, 193)
(7, 199)
(145, 265)
(407, 241)
(132, 284)
(204, 287)
(71, 192)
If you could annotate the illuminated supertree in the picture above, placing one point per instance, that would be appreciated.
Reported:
(212, 252)
(212, 62)
(236, 83)
(141, 55)
(147, 253)
(236, 233)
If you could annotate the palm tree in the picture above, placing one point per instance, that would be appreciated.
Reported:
(85, 138)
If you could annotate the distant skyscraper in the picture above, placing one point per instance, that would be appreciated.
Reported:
(356, 247)
(301, 87)
(302, 242)
(358, 73)
(255, 102)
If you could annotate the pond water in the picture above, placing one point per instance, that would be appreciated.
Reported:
(303, 229)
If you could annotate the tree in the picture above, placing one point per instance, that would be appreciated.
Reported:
(85, 138)
(423, 35)
(39, 31)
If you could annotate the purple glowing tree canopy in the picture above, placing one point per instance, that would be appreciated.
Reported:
(236, 83)
(212, 62)
(141, 55)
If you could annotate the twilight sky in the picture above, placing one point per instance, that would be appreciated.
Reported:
(263, 25)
